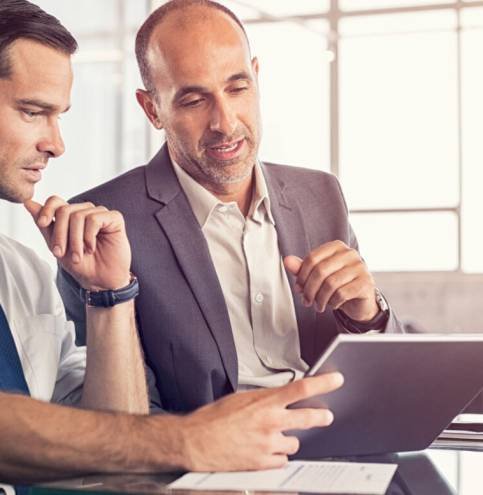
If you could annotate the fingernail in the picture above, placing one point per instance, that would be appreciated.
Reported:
(75, 258)
(298, 288)
(330, 417)
(43, 221)
(305, 302)
(339, 378)
(318, 307)
(57, 251)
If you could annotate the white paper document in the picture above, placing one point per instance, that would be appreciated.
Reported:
(298, 476)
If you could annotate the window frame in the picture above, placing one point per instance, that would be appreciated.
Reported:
(333, 17)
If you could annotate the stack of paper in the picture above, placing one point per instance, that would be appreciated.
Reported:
(298, 476)
(465, 431)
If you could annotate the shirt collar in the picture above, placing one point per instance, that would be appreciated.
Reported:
(203, 202)
(261, 199)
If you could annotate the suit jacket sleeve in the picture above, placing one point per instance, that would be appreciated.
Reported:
(393, 325)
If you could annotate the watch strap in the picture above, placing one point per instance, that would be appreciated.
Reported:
(109, 298)
(379, 321)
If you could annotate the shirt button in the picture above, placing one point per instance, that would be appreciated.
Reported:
(223, 209)
(259, 298)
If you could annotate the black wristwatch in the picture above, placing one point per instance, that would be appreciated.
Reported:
(377, 323)
(109, 298)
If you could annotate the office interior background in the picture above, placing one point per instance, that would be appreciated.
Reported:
(386, 94)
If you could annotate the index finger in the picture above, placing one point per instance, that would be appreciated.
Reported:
(309, 387)
(35, 209)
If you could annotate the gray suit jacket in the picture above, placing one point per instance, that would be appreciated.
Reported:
(182, 316)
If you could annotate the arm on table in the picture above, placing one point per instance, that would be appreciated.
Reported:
(241, 431)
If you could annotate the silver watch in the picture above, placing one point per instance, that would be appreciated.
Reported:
(381, 301)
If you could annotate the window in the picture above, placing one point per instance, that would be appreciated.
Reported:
(105, 132)
(294, 92)
(404, 108)
(386, 94)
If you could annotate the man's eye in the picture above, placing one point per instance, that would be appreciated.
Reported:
(192, 103)
(30, 113)
(238, 89)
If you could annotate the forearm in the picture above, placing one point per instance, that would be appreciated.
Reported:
(43, 441)
(115, 378)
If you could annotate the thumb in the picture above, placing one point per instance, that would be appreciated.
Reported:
(293, 264)
(33, 208)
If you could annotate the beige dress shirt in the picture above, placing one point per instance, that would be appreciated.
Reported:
(249, 266)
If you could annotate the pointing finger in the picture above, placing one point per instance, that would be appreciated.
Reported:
(309, 387)
(303, 419)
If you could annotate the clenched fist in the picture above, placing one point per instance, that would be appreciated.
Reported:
(335, 275)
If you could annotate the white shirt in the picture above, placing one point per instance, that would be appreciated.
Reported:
(53, 365)
(254, 282)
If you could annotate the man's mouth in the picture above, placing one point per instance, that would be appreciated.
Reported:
(34, 172)
(225, 151)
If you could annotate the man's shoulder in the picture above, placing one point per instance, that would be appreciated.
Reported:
(294, 174)
(20, 261)
(114, 189)
(303, 180)
(15, 250)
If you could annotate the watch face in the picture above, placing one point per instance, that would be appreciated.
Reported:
(381, 301)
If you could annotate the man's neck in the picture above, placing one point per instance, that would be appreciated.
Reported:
(241, 193)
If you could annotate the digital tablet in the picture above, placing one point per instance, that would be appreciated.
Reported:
(399, 393)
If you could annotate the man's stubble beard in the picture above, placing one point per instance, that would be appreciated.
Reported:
(209, 170)
(8, 192)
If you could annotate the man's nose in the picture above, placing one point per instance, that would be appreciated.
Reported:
(223, 118)
(52, 141)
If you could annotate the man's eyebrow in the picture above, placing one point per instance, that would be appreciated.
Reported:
(40, 104)
(240, 76)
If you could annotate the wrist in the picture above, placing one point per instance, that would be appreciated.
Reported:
(377, 322)
(175, 437)
(118, 283)
(154, 444)
(187, 440)
(109, 298)
(364, 316)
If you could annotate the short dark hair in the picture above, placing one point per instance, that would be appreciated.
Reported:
(146, 30)
(22, 19)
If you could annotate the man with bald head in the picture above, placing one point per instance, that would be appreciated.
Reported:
(248, 269)
(39, 361)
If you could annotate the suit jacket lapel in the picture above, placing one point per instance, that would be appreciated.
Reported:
(292, 239)
(191, 249)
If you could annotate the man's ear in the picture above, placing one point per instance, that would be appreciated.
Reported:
(147, 103)
(255, 65)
